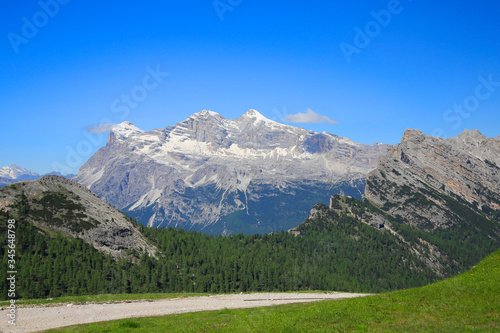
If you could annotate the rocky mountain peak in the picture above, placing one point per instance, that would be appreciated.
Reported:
(125, 129)
(255, 117)
(412, 134)
(253, 114)
(204, 114)
(474, 135)
(122, 131)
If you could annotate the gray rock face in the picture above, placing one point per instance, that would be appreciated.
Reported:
(201, 172)
(466, 168)
(58, 204)
(440, 198)
(434, 184)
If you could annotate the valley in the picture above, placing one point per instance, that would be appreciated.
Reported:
(208, 166)
(350, 245)
(470, 301)
(408, 230)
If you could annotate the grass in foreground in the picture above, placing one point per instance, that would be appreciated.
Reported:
(469, 302)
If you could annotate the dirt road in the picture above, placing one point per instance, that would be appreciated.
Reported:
(42, 318)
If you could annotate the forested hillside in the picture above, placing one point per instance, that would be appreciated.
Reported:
(427, 214)
(444, 251)
(348, 256)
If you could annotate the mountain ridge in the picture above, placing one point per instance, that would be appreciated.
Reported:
(61, 206)
(438, 197)
(205, 168)
(15, 173)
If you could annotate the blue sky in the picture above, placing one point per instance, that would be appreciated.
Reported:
(375, 67)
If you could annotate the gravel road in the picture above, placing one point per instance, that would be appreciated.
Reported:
(43, 318)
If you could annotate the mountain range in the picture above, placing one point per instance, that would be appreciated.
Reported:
(225, 176)
(15, 173)
(430, 210)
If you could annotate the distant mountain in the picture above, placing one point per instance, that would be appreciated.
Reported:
(58, 205)
(441, 198)
(222, 176)
(15, 173)
(55, 173)
(9, 175)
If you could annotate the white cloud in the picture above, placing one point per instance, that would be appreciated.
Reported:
(101, 128)
(308, 117)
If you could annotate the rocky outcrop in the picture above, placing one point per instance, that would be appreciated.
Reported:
(440, 198)
(55, 203)
(464, 168)
(209, 173)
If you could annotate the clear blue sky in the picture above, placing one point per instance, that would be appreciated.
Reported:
(73, 68)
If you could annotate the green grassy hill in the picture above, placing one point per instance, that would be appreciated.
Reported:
(468, 302)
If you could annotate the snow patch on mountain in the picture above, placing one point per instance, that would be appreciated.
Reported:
(125, 129)
(206, 167)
